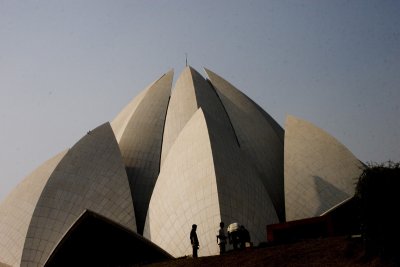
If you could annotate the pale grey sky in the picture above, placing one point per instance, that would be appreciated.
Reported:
(67, 66)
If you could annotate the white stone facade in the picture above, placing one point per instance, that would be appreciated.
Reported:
(139, 128)
(89, 176)
(200, 154)
(320, 172)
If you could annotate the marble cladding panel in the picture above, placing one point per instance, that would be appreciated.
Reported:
(320, 172)
(242, 196)
(182, 106)
(141, 143)
(260, 138)
(186, 194)
(119, 123)
(90, 176)
(17, 209)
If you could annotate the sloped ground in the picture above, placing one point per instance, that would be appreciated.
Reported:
(332, 251)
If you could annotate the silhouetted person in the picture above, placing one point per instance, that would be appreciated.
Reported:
(244, 236)
(221, 238)
(233, 235)
(194, 241)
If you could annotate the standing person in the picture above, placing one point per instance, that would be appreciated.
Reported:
(194, 241)
(244, 237)
(233, 235)
(221, 238)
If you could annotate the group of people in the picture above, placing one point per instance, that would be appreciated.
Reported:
(237, 235)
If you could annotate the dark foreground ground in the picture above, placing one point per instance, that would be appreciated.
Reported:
(333, 251)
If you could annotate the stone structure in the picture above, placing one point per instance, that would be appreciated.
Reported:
(201, 153)
(320, 172)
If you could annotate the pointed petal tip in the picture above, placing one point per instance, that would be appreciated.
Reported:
(207, 72)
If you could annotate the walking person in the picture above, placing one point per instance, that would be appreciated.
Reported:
(221, 238)
(194, 241)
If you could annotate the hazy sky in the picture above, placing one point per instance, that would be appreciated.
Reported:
(68, 66)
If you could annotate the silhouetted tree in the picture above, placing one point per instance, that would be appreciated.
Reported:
(378, 192)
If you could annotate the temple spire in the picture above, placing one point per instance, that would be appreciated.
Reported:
(186, 58)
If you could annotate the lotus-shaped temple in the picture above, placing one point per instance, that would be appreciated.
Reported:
(201, 153)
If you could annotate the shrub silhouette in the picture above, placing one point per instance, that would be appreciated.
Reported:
(378, 193)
